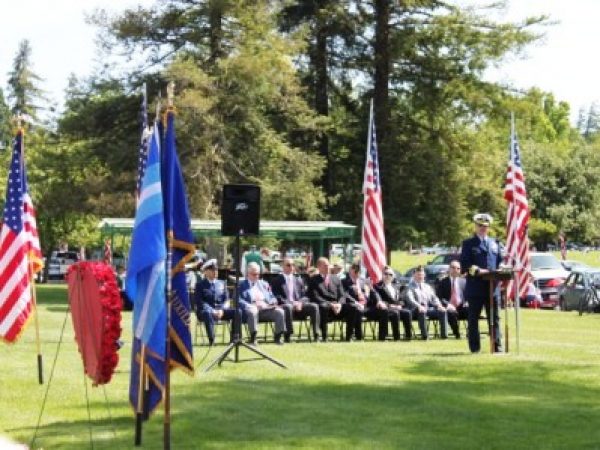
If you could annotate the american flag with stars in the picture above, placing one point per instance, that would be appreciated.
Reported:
(373, 237)
(146, 132)
(517, 220)
(20, 253)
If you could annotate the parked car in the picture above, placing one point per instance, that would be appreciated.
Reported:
(576, 285)
(570, 264)
(548, 275)
(337, 250)
(435, 249)
(60, 262)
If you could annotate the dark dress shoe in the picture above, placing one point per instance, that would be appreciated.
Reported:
(287, 338)
(278, 339)
(253, 340)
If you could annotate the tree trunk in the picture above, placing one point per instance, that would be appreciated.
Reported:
(382, 71)
(380, 99)
(216, 30)
(319, 62)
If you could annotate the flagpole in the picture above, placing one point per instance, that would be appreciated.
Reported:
(140, 403)
(37, 326)
(32, 275)
(517, 296)
(167, 418)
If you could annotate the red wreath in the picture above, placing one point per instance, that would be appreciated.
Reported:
(96, 311)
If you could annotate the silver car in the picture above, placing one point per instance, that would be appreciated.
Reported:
(576, 287)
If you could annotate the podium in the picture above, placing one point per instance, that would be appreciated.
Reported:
(493, 277)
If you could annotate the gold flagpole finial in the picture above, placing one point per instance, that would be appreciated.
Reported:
(18, 120)
(170, 93)
(157, 117)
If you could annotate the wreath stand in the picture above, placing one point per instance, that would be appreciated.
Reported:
(100, 361)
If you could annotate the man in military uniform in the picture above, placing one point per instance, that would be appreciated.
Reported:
(211, 299)
(480, 254)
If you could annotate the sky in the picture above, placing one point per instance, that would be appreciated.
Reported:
(563, 63)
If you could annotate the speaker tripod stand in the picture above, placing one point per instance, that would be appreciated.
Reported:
(236, 333)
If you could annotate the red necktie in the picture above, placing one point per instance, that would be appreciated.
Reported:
(327, 281)
(454, 294)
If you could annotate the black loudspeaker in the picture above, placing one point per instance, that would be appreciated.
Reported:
(240, 210)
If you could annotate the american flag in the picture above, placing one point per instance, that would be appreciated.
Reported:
(107, 252)
(20, 253)
(517, 219)
(145, 138)
(373, 237)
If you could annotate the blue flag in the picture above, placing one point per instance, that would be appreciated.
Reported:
(179, 232)
(146, 282)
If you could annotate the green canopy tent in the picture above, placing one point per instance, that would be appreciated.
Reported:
(319, 234)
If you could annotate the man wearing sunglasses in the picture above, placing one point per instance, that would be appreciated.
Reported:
(481, 254)
(392, 297)
(290, 292)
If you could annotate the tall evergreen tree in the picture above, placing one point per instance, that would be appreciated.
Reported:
(23, 90)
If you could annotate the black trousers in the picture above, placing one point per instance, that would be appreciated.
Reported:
(308, 310)
(349, 313)
(382, 316)
(475, 307)
(405, 315)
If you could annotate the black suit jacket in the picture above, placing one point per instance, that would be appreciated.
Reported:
(352, 295)
(323, 295)
(280, 290)
(396, 299)
(443, 290)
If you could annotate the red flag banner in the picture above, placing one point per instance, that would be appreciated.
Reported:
(373, 237)
(20, 254)
(517, 220)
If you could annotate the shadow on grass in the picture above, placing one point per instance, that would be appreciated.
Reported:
(517, 405)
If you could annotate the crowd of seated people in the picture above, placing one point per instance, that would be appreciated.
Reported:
(324, 295)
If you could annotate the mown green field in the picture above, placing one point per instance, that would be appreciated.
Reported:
(371, 395)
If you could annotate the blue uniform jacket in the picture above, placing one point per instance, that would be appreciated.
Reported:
(210, 296)
(244, 293)
(485, 255)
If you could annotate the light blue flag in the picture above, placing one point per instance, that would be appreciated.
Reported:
(146, 274)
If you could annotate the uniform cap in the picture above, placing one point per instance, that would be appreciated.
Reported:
(482, 219)
(210, 264)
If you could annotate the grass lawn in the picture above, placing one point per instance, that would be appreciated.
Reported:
(417, 395)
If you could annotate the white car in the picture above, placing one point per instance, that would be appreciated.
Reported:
(59, 264)
(548, 275)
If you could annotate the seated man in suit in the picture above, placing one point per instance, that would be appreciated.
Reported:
(211, 299)
(390, 294)
(258, 303)
(290, 293)
(360, 293)
(450, 291)
(327, 292)
(424, 303)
